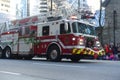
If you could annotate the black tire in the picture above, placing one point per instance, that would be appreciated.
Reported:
(54, 53)
(1, 53)
(119, 56)
(7, 53)
(75, 58)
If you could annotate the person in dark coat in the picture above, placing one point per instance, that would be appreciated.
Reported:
(115, 52)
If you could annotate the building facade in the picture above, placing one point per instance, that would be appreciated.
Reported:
(5, 6)
(26, 8)
(81, 5)
(20, 8)
(24, 11)
(111, 30)
(6, 10)
(38, 7)
(43, 6)
(35, 7)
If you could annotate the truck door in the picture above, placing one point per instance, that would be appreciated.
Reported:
(26, 40)
(64, 37)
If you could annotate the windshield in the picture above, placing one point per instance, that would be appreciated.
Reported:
(83, 28)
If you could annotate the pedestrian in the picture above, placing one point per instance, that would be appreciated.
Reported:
(111, 55)
(106, 48)
(115, 52)
(118, 51)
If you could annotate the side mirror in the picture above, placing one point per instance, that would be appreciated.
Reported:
(66, 26)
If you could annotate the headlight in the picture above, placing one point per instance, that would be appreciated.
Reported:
(81, 42)
(73, 39)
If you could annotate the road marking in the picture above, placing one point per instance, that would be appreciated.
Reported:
(70, 66)
(11, 73)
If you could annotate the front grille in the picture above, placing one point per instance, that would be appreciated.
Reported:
(89, 41)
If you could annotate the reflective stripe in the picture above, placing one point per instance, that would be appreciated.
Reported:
(92, 53)
(79, 51)
(74, 50)
(88, 51)
(85, 52)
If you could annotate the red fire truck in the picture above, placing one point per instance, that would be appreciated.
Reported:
(52, 37)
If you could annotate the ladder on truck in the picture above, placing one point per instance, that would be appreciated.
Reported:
(32, 20)
(68, 9)
(4, 27)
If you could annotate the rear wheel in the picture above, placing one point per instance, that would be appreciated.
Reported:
(8, 54)
(54, 53)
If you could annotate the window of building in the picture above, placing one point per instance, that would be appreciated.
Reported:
(45, 30)
(84, 5)
(7, 5)
(8, 1)
(43, 10)
(44, 7)
(84, 0)
(43, 3)
(6, 10)
(2, 4)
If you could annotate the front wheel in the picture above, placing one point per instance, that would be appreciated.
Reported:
(54, 53)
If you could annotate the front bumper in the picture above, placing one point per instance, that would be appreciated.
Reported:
(88, 51)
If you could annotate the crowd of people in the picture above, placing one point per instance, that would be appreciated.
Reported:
(111, 51)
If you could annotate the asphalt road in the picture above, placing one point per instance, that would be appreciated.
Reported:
(65, 70)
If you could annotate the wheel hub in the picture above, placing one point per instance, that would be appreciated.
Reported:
(7, 54)
(53, 54)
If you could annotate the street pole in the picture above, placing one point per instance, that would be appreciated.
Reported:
(114, 25)
(28, 7)
(101, 38)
